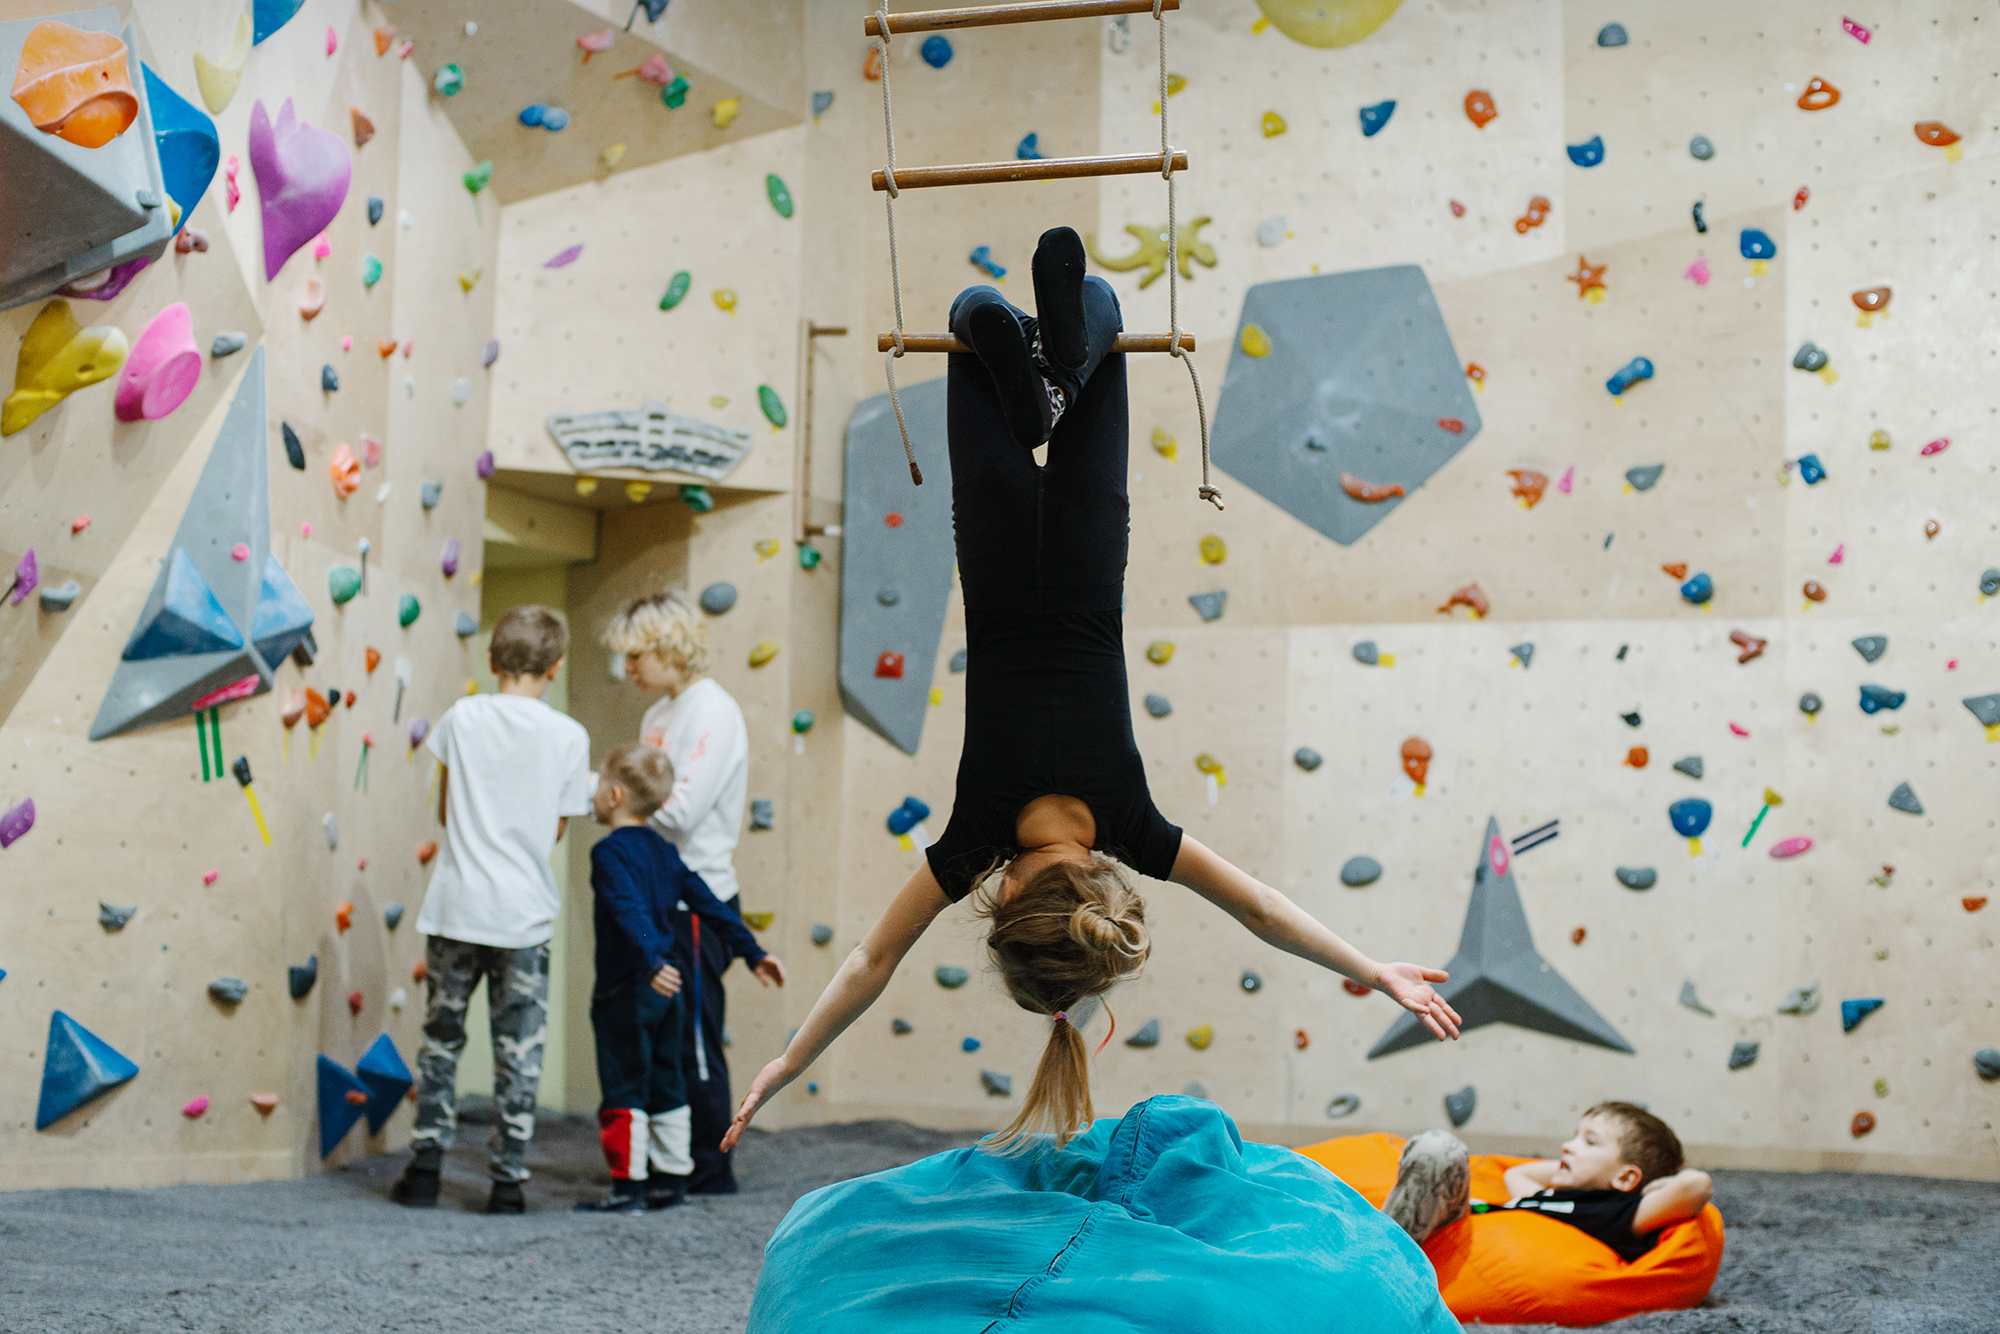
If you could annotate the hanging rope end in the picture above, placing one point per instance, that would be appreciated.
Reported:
(1211, 495)
(916, 473)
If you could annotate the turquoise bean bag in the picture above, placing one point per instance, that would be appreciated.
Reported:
(1162, 1221)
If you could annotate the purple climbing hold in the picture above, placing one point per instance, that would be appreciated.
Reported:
(563, 259)
(484, 465)
(303, 172)
(27, 574)
(492, 352)
(419, 729)
(448, 562)
(18, 820)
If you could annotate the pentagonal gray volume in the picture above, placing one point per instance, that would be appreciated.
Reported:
(1361, 378)
(896, 536)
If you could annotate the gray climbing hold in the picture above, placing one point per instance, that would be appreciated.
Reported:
(226, 344)
(1986, 708)
(1366, 653)
(1343, 1105)
(1252, 982)
(1637, 877)
(1692, 1001)
(431, 493)
(889, 596)
(1809, 357)
(1743, 1055)
(997, 1084)
(958, 661)
(1525, 652)
(821, 101)
(392, 916)
(1632, 719)
(466, 626)
(1875, 698)
(1810, 704)
(951, 977)
(1208, 606)
(1690, 765)
(1359, 871)
(1147, 1036)
(229, 990)
(718, 598)
(1700, 149)
(1987, 1062)
(60, 599)
(331, 824)
(1307, 758)
(1989, 583)
(1194, 1088)
(303, 975)
(1642, 478)
(1459, 1106)
(1871, 647)
(1904, 798)
(901, 1027)
(822, 933)
(329, 379)
(1159, 705)
(1612, 34)
(1271, 231)
(374, 209)
(763, 815)
(1801, 1000)
(114, 919)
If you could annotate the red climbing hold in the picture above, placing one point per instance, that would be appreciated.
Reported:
(355, 1097)
(1469, 596)
(1862, 1123)
(1936, 133)
(1368, 493)
(1457, 209)
(1300, 1040)
(892, 519)
(890, 665)
(1353, 988)
(1752, 647)
(1799, 199)
(1475, 372)
(354, 1002)
(417, 971)
(1678, 569)
(1453, 424)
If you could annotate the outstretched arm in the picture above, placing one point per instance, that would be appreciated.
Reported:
(1276, 920)
(853, 989)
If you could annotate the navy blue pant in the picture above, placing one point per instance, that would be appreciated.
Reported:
(704, 1070)
(642, 1117)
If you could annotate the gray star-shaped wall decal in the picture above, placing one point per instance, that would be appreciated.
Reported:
(1497, 976)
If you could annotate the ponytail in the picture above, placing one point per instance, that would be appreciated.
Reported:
(1059, 1099)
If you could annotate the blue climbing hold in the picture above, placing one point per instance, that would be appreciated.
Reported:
(1812, 469)
(1690, 816)
(1756, 244)
(907, 816)
(1375, 117)
(982, 259)
(78, 1067)
(1854, 1010)
(381, 1068)
(821, 103)
(1612, 34)
(532, 115)
(1698, 589)
(1874, 699)
(936, 51)
(188, 147)
(337, 1112)
(301, 976)
(718, 598)
(1147, 1036)
(951, 977)
(183, 616)
(555, 119)
(1030, 148)
(267, 16)
(968, 1044)
(1628, 375)
(283, 618)
(374, 209)
(1159, 705)
(1209, 605)
(1589, 153)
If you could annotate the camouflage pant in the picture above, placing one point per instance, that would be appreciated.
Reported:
(517, 1000)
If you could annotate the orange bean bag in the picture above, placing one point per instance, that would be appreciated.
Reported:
(1520, 1268)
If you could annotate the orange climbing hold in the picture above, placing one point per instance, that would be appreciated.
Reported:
(1930, 529)
(1799, 198)
(1368, 493)
(1588, 277)
(1479, 108)
(1934, 132)
(1476, 373)
(76, 85)
(364, 128)
(889, 665)
(345, 471)
(1637, 757)
(1678, 569)
(1528, 486)
(1300, 1040)
(343, 916)
(372, 657)
(417, 971)
(1814, 592)
(1537, 214)
(383, 37)
(871, 66)
(1576, 936)
(317, 708)
(1752, 647)
(1972, 902)
(1862, 1123)
(1469, 596)
(1819, 95)
(1416, 759)
(1871, 300)
(426, 851)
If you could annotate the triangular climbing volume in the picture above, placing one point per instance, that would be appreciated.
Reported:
(182, 616)
(282, 618)
(79, 1066)
(337, 1111)
(381, 1068)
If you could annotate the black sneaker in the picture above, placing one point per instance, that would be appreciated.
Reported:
(1025, 398)
(506, 1199)
(1059, 272)
(664, 1191)
(418, 1188)
(627, 1197)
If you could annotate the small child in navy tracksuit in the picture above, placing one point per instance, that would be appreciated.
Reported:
(638, 881)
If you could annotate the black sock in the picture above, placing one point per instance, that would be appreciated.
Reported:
(1002, 346)
(1059, 271)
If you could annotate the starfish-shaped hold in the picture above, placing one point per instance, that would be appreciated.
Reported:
(1587, 276)
(1152, 252)
(1497, 977)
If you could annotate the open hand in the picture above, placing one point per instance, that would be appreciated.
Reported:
(1408, 984)
(768, 1081)
(667, 981)
(770, 971)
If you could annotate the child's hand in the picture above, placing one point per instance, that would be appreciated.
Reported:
(770, 971)
(1408, 984)
(667, 981)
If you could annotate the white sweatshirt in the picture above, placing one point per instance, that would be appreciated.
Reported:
(703, 734)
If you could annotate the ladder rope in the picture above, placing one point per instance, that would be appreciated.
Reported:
(895, 256)
(1205, 491)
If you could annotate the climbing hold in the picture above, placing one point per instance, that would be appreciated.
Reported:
(1637, 757)
(162, 370)
(1274, 125)
(303, 173)
(1876, 698)
(1028, 150)
(901, 1027)
(1791, 847)
(1986, 708)
(1904, 799)
(1810, 357)
(1933, 132)
(969, 1044)
(1479, 108)
(314, 301)
(1690, 817)
(1698, 590)
(1271, 231)
(1612, 34)
(803, 720)
(302, 976)
(1751, 645)
(355, 1001)
(1343, 1105)
(1743, 1055)
(1854, 1010)
(1214, 550)
(1813, 591)
(1700, 149)
(996, 1084)
(1937, 446)
(951, 977)
(1416, 754)
(1251, 982)
(1576, 936)
(1690, 765)
(229, 990)
(475, 180)
(1375, 117)
(1299, 1039)
(466, 625)
(1862, 1123)
(1819, 95)
(1986, 1062)
(1366, 653)
(1354, 988)
(1357, 872)
(763, 815)
(1147, 1036)
(936, 51)
(114, 919)
(718, 598)
(342, 583)
(1753, 244)
(1537, 214)
(1802, 1000)
(1628, 375)
(1209, 605)
(448, 560)
(1989, 583)
(1810, 704)
(1871, 647)
(77, 1067)
(1199, 1038)
(407, 610)
(1700, 223)
(1528, 486)
(329, 380)
(60, 598)
(981, 258)
(218, 80)
(75, 85)
(1307, 758)
(345, 470)
(1254, 341)
(908, 816)
(889, 665)
(1161, 651)
(1692, 1000)
(1469, 597)
(724, 113)
(1637, 877)
(1368, 493)
(1588, 153)
(563, 258)
(1159, 706)
(58, 357)
(822, 933)
(1459, 1106)
(194, 1107)
(449, 80)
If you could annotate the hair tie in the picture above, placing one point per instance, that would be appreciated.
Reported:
(1062, 1015)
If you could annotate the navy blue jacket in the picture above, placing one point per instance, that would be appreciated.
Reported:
(638, 881)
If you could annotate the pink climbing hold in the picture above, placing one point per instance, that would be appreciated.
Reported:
(1791, 847)
(332, 40)
(199, 1105)
(210, 877)
(241, 551)
(17, 820)
(1568, 477)
(1937, 446)
(656, 70)
(229, 176)
(1839, 555)
(303, 173)
(1699, 272)
(1856, 31)
(163, 368)
(1738, 729)
(322, 247)
(592, 42)
(235, 690)
(371, 451)
(563, 259)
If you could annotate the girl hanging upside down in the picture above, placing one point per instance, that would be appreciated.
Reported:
(1051, 789)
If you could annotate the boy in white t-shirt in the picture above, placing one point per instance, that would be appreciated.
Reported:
(514, 771)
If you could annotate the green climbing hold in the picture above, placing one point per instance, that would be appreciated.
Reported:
(449, 80)
(808, 556)
(407, 610)
(677, 290)
(342, 583)
(476, 179)
(781, 198)
(697, 498)
(951, 977)
(675, 94)
(371, 271)
(767, 399)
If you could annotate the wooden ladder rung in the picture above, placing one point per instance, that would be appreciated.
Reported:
(986, 16)
(1126, 342)
(1033, 169)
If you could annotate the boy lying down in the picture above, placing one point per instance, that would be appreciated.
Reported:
(1619, 1179)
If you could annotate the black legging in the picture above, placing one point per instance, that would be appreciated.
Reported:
(1041, 538)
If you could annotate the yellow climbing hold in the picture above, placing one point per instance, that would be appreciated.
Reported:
(1175, 83)
(586, 486)
(766, 548)
(59, 357)
(471, 686)
(726, 111)
(1199, 1038)
(1274, 125)
(763, 653)
(718, 400)
(1263, 22)
(1878, 440)
(1152, 252)
(1328, 23)
(611, 156)
(1160, 652)
(759, 921)
(937, 697)
(636, 492)
(1255, 342)
(1211, 766)
(218, 80)
(469, 278)
(1164, 443)
(725, 299)
(1214, 550)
